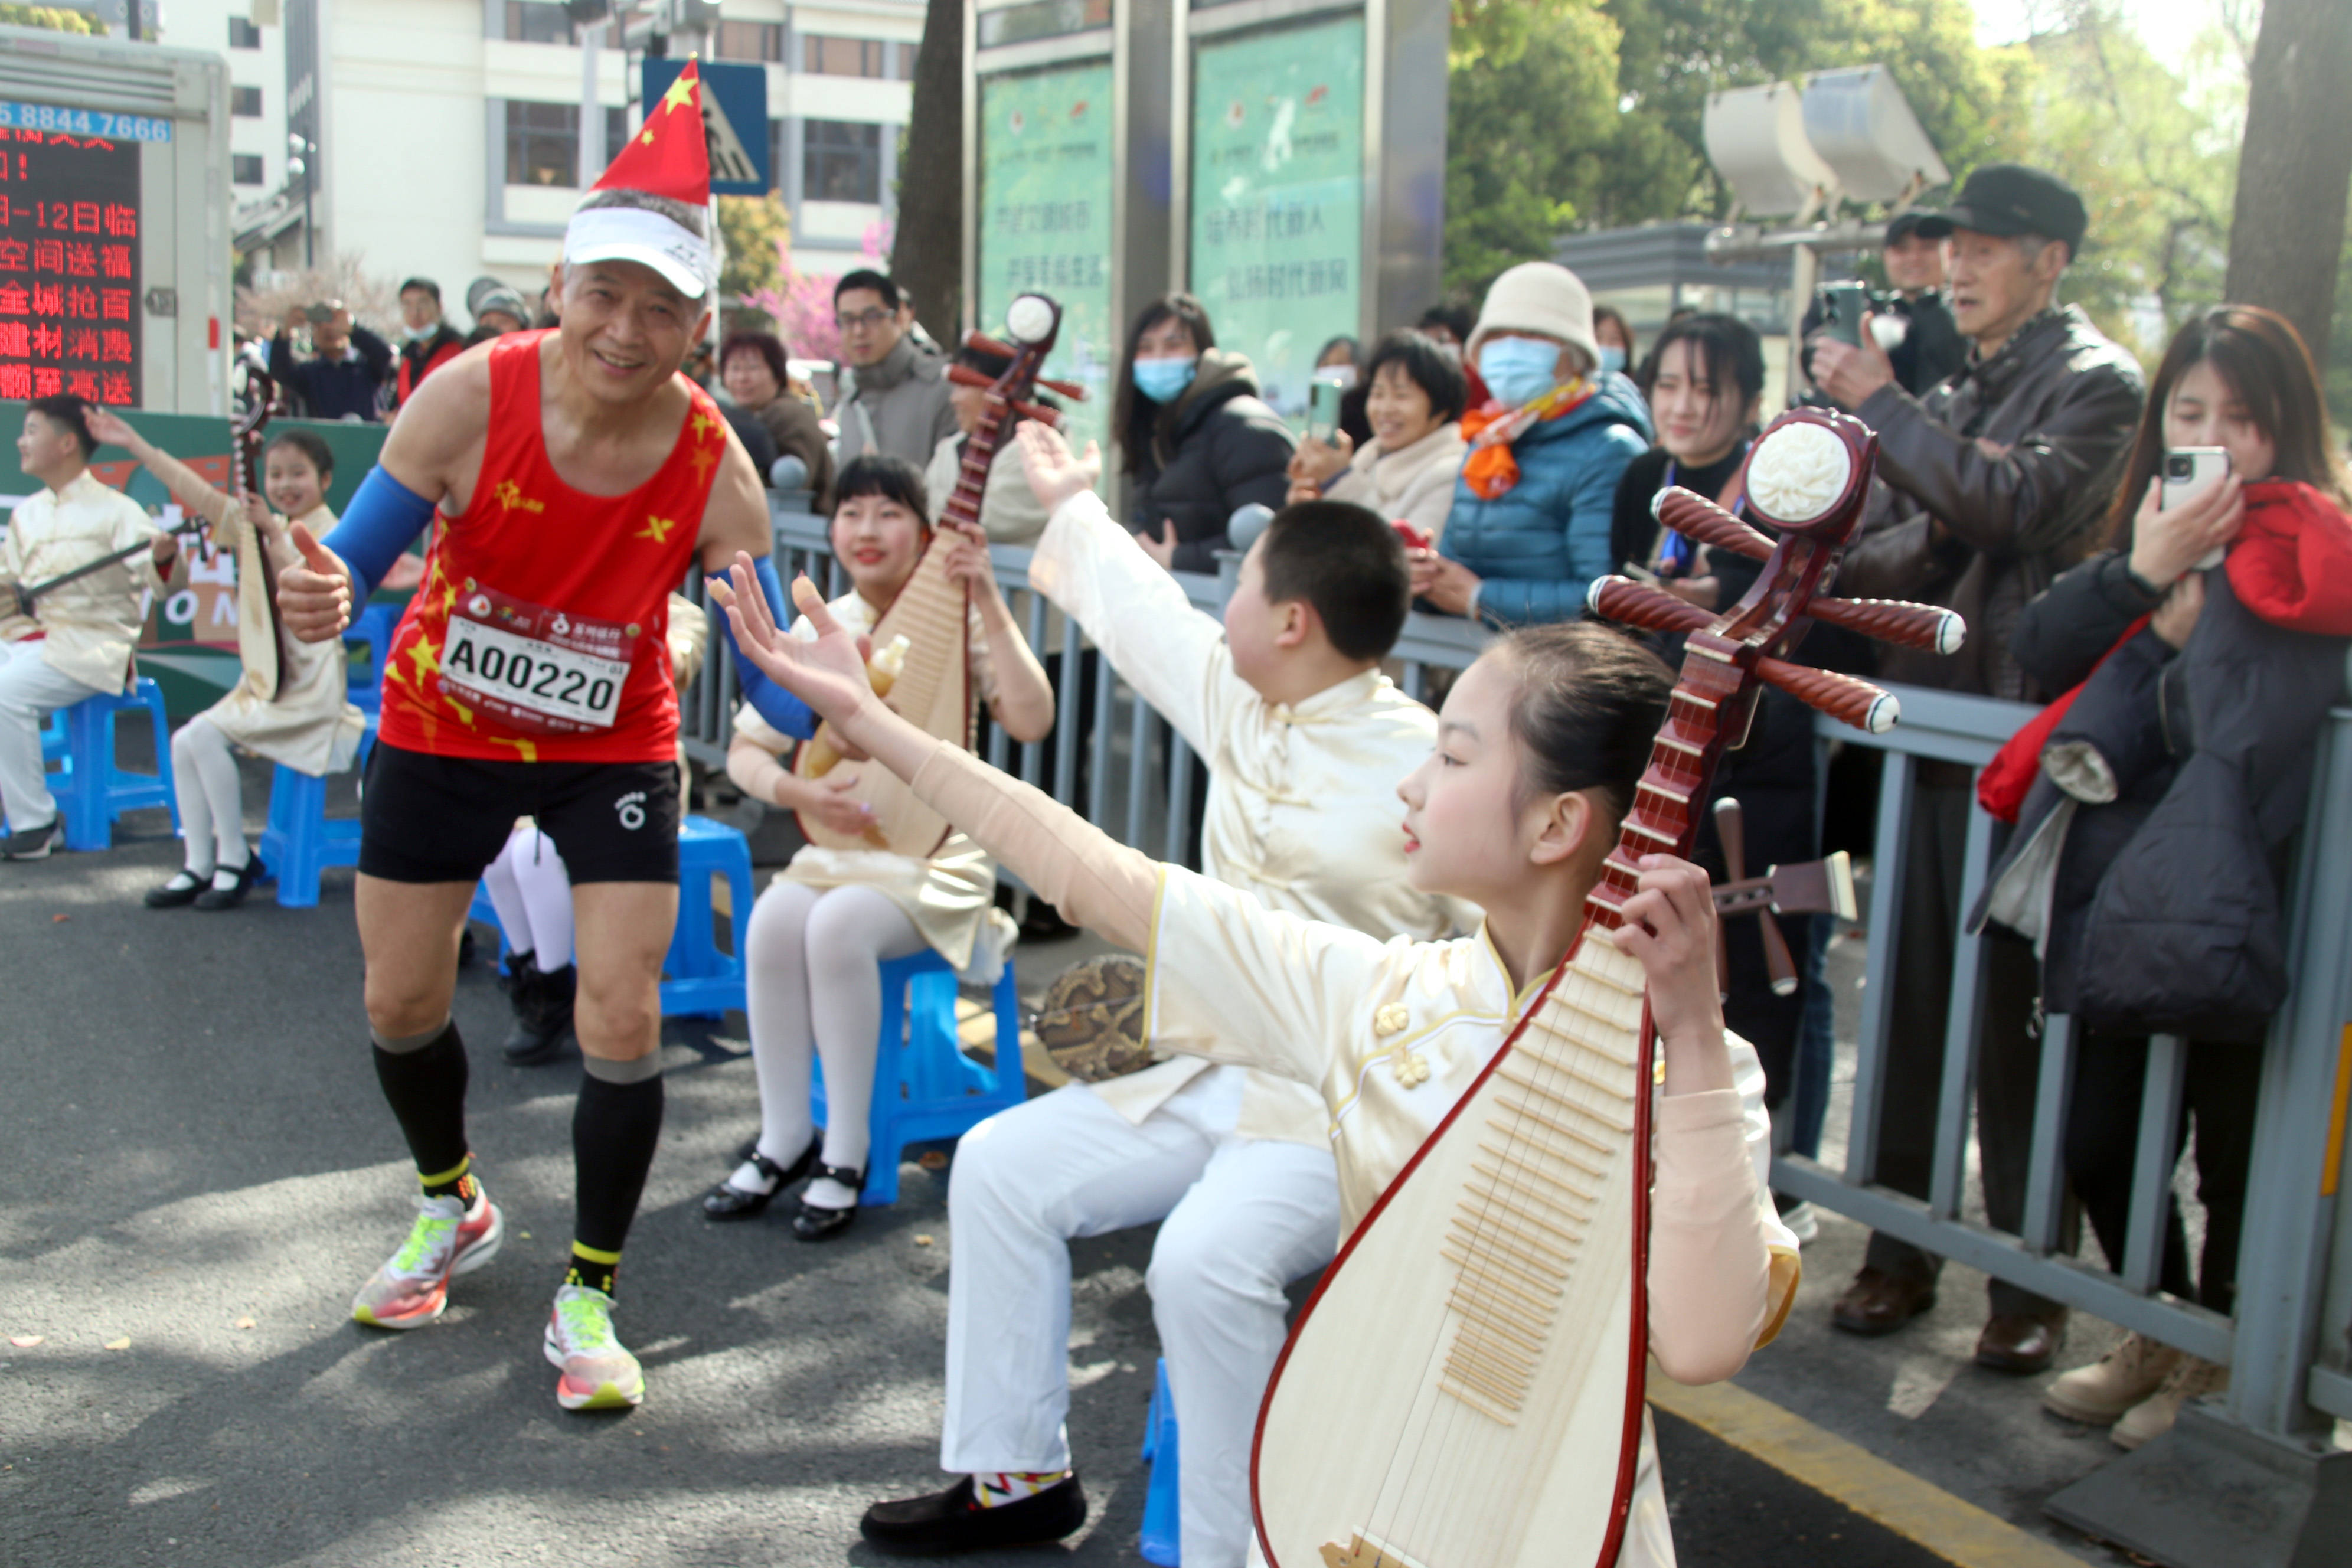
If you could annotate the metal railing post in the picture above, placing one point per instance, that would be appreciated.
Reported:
(1887, 857)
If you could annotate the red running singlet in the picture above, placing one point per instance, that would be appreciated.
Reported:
(538, 633)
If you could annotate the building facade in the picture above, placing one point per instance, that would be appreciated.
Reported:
(442, 137)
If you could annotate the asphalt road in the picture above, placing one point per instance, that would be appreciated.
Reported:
(198, 1171)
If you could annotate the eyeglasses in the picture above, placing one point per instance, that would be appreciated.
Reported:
(863, 320)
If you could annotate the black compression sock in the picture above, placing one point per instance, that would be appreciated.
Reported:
(614, 1128)
(424, 1084)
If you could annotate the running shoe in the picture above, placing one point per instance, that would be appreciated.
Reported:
(447, 1239)
(597, 1372)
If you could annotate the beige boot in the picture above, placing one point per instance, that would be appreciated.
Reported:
(2153, 1416)
(2122, 1378)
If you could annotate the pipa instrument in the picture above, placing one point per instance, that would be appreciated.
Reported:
(1464, 1390)
(265, 664)
(924, 671)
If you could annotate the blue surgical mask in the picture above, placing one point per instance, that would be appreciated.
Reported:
(1164, 380)
(1517, 371)
(1612, 359)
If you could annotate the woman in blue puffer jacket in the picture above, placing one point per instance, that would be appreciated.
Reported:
(1529, 528)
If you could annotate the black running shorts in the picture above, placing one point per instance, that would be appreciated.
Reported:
(424, 818)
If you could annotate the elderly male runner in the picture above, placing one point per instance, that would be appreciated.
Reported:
(577, 476)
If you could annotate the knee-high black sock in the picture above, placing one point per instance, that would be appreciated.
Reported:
(614, 1128)
(424, 1083)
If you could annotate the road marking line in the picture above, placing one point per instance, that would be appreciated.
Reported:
(1921, 1512)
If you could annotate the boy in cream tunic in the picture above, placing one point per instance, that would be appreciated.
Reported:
(1305, 740)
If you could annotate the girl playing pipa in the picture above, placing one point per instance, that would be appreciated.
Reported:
(1599, 1214)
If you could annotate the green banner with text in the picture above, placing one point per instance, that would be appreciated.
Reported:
(1278, 196)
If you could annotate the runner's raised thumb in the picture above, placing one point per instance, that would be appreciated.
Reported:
(315, 555)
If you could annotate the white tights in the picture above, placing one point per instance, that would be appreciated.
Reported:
(532, 893)
(814, 965)
(211, 803)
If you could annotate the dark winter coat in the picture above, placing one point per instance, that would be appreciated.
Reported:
(2008, 457)
(2149, 854)
(335, 389)
(1216, 448)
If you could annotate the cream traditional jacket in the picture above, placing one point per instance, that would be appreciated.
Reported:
(312, 725)
(90, 627)
(1302, 812)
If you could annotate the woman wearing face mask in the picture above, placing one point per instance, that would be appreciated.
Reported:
(1415, 397)
(1530, 527)
(1615, 333)
(310, 725)
(1193, 437)
(2237, 377)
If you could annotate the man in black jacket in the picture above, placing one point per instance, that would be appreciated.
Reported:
(349, 365)
(1988, 485)
(1932, 348)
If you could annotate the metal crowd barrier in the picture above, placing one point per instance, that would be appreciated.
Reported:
(2289, 1347)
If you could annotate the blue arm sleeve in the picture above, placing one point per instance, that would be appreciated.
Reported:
(383, 520)
(786, 713)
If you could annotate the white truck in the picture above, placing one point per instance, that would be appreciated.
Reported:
(114, 200)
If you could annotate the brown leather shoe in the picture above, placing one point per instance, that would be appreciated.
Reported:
(1878, 1303)
(2021, 1342)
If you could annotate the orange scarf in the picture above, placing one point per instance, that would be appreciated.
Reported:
(1490, 470)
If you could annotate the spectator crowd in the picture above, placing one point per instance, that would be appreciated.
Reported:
(2024, 480)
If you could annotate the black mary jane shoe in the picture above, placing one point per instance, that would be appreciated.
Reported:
(172, 896)
(729, 1202)
(252, 871)
(816, 1222)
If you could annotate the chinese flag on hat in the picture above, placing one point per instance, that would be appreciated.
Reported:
(669, 157)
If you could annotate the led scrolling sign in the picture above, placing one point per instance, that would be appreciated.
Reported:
(70, 303)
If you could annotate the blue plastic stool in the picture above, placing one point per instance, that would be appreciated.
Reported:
(698, 981)
(301, 841)
(1162, 1524)
(91, 790)
(924, 1086)
(372, 631)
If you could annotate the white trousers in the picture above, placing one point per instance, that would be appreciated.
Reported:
(211, 796)
(29, 690)
(812, 984)
(532, 893)
(1242, 1218)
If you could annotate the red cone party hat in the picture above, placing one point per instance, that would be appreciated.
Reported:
(668, 157)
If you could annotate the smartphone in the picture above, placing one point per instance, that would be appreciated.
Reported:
(1323, 411)
(2189, 472)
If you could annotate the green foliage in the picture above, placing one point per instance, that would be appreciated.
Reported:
(52, 17)
(2156, 159)
(1588, 110)
(1525, 128)
(756, 229)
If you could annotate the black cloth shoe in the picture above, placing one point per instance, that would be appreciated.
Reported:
(727, 1202)
(954, 1520)
(542, 1008)
(252, 871)
(33, 844)
(816, 1222)
(173, 895)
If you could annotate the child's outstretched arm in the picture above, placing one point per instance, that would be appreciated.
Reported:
(1710, 1279)
(1091, 878)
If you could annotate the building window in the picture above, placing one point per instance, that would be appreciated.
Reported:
(543, 144)
(616, 132)
(841, 160)
(845, 57)
(244, 102)
(243, 34)
(908, 55)
(532, 22)
(750, 41)
(245, 168)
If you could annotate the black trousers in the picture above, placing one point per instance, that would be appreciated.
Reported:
(2009, 1050)
(2219, 1087)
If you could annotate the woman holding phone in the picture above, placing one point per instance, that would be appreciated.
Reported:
(2239, 380)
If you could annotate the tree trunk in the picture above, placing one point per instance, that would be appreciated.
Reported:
(2286, 236)
(927, 255)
